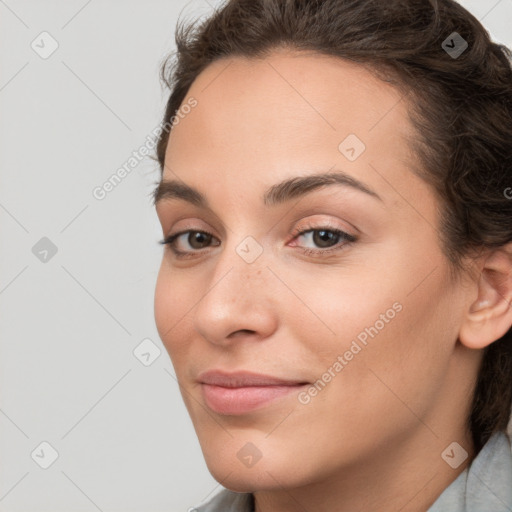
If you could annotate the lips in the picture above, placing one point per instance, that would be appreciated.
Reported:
(243, 379)
(242, 392)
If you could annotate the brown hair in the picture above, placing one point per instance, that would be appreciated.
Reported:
(460, 105)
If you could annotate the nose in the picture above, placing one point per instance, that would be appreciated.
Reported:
(238, 302)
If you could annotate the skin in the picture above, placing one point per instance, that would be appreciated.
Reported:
(372, 438)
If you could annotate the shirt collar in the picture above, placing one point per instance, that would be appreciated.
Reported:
(486, 484)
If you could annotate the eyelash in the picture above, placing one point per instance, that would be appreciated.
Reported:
(348, 239)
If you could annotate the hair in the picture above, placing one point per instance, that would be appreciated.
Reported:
(460, 106)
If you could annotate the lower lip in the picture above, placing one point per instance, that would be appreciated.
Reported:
(232, 401)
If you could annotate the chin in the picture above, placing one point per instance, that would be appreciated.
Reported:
(247, 481)
(270, 472)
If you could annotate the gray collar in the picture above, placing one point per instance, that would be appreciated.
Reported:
(485, 485)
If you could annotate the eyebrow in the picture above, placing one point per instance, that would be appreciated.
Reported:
(276, 194)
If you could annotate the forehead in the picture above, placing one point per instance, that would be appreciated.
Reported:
(289, 112)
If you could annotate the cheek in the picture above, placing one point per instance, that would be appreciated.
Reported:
(406, 359)
(336, 304)
(385, 316)
(164, 303)
(170, 306)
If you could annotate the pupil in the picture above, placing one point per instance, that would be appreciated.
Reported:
(321, 237)
(199, 238)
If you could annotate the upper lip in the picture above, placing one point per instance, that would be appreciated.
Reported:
(244, 379)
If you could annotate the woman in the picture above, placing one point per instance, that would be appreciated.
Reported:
(335, 290)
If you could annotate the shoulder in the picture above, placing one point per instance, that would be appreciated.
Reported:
(227, 501)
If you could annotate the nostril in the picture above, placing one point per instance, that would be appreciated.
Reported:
(245, 331)
(240, 332)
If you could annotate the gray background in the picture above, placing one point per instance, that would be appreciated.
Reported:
(70, 324)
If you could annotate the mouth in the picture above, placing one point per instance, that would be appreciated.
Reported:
(242, 392)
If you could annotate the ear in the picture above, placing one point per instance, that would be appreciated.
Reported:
(489, 317)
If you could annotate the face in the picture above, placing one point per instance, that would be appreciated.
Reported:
(337, 287)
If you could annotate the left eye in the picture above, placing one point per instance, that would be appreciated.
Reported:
(324, 239)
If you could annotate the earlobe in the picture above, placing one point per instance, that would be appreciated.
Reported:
(489, 316)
